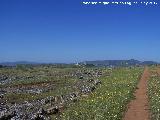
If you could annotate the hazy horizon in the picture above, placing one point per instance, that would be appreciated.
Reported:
(52, 62)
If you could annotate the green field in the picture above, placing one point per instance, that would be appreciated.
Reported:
(110, 99)
(107, 101)
(154, 94)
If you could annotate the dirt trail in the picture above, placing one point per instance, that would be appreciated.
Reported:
(138, 108)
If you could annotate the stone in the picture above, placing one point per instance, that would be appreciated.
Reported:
(53, 110)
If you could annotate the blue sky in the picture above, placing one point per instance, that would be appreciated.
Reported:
(61, 31)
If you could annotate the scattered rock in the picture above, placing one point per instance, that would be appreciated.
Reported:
(40, 109)
(53, 110)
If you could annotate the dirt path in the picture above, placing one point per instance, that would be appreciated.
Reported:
(138, 108)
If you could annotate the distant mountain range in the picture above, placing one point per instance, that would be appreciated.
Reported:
(131, 62)
(18, 63)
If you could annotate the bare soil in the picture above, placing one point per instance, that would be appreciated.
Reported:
(138, 109)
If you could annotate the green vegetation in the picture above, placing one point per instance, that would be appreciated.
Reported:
(21, 97)
(25, 77)
(109, 101)
(154, 94)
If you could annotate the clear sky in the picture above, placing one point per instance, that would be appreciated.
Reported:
(68, 31)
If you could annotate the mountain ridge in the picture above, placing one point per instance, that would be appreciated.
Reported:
(130, 62)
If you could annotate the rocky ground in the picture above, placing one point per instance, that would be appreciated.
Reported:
(87, 80)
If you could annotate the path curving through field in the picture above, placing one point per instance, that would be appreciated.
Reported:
(138, 109)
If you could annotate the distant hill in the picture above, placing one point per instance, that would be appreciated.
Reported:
(149, 63)
(18, 63)
(131, 62)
